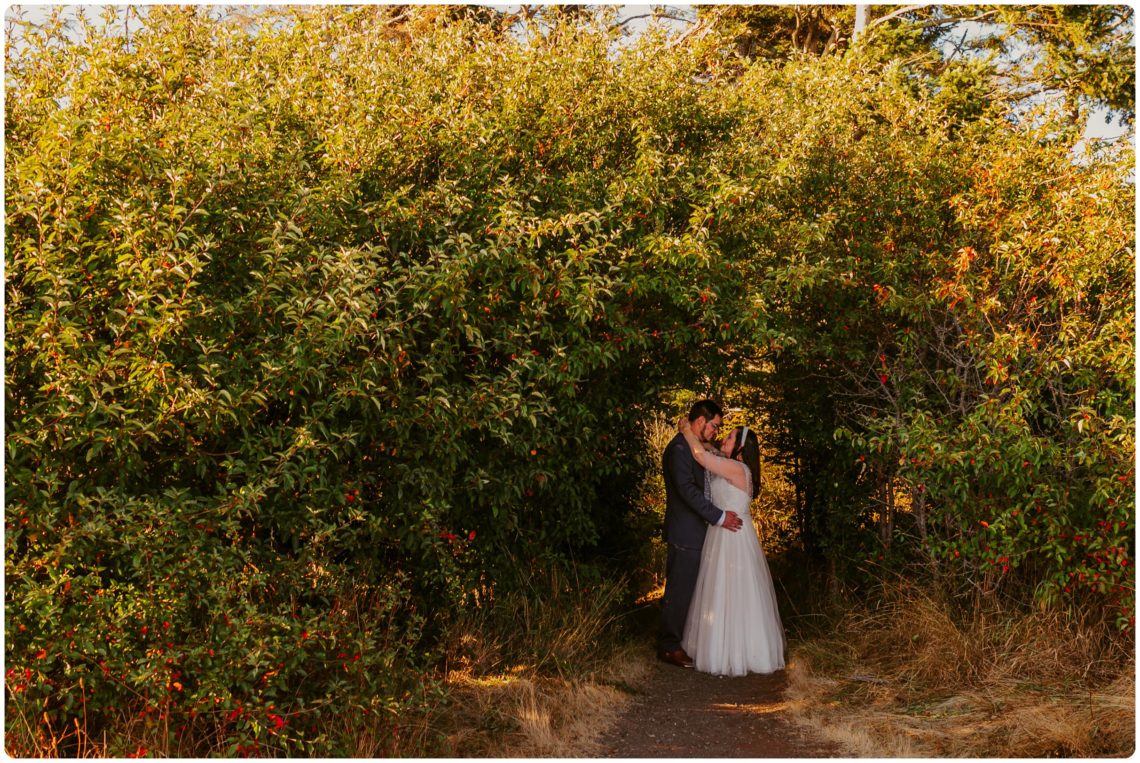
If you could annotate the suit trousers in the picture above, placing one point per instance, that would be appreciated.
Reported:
(682, 565)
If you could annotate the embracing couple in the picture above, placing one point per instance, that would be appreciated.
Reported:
(719, 610)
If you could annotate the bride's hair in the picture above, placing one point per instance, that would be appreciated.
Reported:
(750, 449)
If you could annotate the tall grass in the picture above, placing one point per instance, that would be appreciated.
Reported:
(540, 673)
(558, 625)
(902, 677)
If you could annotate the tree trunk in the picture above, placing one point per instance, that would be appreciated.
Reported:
(860, 22)
(918, 506)
(887, 515)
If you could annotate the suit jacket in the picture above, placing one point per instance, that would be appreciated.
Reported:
(687, 512)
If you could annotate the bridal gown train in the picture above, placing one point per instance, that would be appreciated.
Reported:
(733, 627)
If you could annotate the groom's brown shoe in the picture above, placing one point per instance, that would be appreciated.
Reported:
(676, 657)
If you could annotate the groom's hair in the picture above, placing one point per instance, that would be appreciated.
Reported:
(706, 408)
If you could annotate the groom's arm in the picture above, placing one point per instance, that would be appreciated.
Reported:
(681, 465)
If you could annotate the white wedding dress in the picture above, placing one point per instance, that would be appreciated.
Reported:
(733, 627)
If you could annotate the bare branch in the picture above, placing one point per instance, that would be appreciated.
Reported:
(399, 18)
(700, 29)
(956, 19)
(654, 15)
(930, 22)
(623, 22)
(895, 14)
(957, 47)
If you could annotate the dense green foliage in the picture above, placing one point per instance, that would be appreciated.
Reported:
(324, 333)
(971, 332)
(320, 332)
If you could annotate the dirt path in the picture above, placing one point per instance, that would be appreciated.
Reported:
(685, 714)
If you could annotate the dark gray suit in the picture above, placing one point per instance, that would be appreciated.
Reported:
(687, 517)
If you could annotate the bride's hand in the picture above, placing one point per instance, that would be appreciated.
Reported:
(687, 432)
(691, 438)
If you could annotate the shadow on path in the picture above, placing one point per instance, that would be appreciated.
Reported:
(682, 714)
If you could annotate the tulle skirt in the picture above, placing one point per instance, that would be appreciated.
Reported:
(733, 627)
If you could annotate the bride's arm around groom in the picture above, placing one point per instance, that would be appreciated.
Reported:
(727, 463)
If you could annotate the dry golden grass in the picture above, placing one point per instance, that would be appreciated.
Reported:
(539, 675)
(521, 713)
(905, 680)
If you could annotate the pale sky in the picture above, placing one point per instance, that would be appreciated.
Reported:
(1095, 129)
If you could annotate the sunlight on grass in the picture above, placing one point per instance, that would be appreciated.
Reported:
(521, 713)
(456, 678)
(653, 596)
(1025, 686)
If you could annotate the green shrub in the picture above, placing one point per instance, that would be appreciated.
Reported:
(952, 304)
(312, 330)
(323, 329)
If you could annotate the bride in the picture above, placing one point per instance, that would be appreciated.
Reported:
(733, 627)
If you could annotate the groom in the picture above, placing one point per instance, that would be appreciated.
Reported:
(687, 516)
